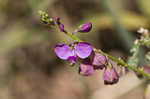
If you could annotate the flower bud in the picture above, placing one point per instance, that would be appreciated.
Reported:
(110, 76)
(86, 69)
(61, 27)
(86, 27)
(99, 61)
(56, 20)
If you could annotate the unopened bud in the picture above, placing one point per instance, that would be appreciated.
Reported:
(56, 20)
(61, 27)
(86, 27)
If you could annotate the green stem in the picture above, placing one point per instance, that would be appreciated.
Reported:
(45, 18)
(121, 62)
(73, 37)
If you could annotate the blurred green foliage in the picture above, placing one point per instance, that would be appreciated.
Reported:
(144, 7)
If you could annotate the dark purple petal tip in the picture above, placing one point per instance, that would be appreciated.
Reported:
(86, 27)
(99, 67)
(72, 60)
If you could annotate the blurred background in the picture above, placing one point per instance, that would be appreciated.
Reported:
(29, 68)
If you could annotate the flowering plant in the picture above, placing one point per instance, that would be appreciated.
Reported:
(92, 59)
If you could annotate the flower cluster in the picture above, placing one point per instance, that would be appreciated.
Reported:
(89, 60)
(83, 52)
(55, 21)
(75, 50)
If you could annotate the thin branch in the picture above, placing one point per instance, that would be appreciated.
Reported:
(46, 19)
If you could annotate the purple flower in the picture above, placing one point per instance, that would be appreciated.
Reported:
(99, 61)
(56, 20)
(86, 27)
(61, 27)
(81, 50)
(86, 68)
(72, 60)
(110, 75)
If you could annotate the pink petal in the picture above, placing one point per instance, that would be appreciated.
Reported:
(99, 61)
(110, 75)
(63, 51)
(83, 50)
(86, 69)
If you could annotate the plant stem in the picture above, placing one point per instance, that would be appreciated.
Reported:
(121, 62)
(73, 37)
(45, 18)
